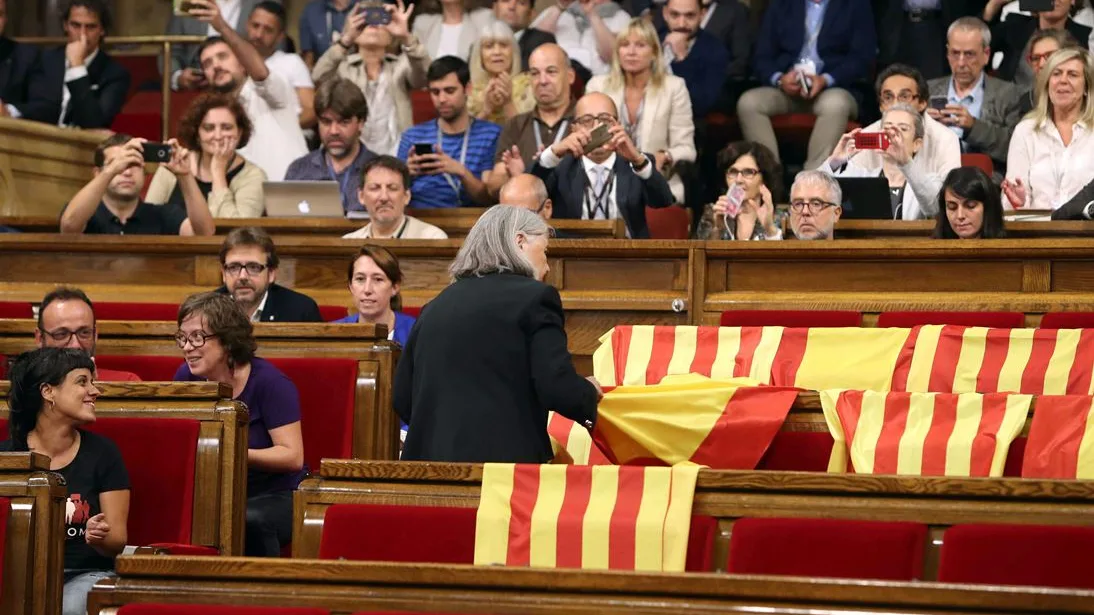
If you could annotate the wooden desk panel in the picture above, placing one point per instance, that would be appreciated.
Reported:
(34, 543)
(346, 587)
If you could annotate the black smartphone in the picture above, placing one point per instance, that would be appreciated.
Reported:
(157, 152)
(1036, 6)
(599, 136)
(376, 15)
(939, 102)
(423, 149)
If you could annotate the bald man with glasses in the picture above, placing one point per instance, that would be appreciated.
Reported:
(66, 319)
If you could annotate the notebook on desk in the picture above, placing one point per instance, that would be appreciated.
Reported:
(322, 199)
(866, 198)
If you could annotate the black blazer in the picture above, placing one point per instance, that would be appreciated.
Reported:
(1073, 209)
(1011, 35)
(531, 39)
(287, 305)
(96, 98)
(567, 183)
(483, 364)
(16, 63)
(731, 24)
(889, 16)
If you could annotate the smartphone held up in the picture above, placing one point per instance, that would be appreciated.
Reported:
(872, 140)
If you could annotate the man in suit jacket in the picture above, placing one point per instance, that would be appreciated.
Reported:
(185, 71)
(980, 109)
(248, 262)
(16, 63)
(725, 20)
(693, 54)
(1080, 207)
(809, 56)
(915, 32)
(517, 14)
(612, 181)
(78, 84)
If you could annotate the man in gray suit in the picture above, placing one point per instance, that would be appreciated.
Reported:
(185, 73)
(980, 109)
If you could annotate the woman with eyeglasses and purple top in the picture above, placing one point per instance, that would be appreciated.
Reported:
(746, 210)
(217, 341)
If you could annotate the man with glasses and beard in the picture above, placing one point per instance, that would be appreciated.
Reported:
(248, 263)
(66, 319)
(611, 181)
(815, 205)
(232, 65)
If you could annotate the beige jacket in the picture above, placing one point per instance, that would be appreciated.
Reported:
(414, 229)
(243, 199)
(407, 72)
(666, 122)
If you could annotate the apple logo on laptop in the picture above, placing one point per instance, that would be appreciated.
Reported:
(304, 207)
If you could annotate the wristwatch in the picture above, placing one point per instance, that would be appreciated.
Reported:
(642, 165)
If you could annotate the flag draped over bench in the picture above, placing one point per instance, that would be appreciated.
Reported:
(596, 517)
(932, 358)
(925, 434)
(1061, 439)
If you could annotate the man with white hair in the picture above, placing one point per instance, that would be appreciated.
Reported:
(815, 208)
(980, 109)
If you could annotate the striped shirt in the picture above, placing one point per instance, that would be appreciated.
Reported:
(430, 191)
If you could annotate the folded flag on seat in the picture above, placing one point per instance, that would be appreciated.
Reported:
(1061, 438)
(595, 517)
(572, 443)
(927, 434)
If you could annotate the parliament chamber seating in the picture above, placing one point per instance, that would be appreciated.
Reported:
(1000, 554)
(16, 309)
(1068, 320)
(981, 161)
(668, 222)
(999, 320)
(32, 508)
(790, 318)
(214, 609)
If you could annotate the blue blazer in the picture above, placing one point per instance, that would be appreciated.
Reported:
(847, 43)
(16, 64)
(403, 324)
(96, 98)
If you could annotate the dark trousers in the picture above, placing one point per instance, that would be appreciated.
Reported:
(269, 524)
(923, 45)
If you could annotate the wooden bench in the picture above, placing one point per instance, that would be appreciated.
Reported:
(34, 537)
(376, 428)
(347, 587)
(220, 476)
(42, 167)
(727, 495)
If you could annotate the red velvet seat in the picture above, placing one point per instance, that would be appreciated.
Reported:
(791, 318)
(414, 311)
(16, 309)
(421, 105)
(1068, 320)
(982, 161)
(379, 532)
(332, 312)
(798, 451)
(841, 548)
(999, 320)
(328, 392)
(668, 222)
(144, 72)
(142, 113)
(150, 369)
(152, 608)
(140, 312)
(161, 458)
(1051, 556)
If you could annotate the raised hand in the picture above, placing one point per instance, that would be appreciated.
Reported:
(622, 144)
(130, 155)
(574, 144)
(208, 12)
(399, 27)
(514, 164)
(182, 161)
(1015, 191)
(76, 51)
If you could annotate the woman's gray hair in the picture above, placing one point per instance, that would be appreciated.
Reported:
(491, 246)
(917, 117)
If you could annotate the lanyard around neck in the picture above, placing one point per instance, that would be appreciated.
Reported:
(453, 182)
(558, 135)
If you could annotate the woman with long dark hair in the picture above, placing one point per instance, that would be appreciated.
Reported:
(971, 206)
(52, 395)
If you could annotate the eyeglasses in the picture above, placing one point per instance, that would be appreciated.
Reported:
(197, 339)
(85, 334)
(1037, 58)
(732, 173)
(233, 269)
(815, 206)
(589, 120)
(904, 96)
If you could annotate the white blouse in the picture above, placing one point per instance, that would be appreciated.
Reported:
(1051, 171)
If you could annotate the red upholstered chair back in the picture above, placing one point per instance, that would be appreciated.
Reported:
(1051, 556)
(141, 312)
(880, 550)
(417, 534)
(798, 451)
(667, 222)
(161, 458)
(791, 318)
(16, 309)
(150, 369)
(332, 312)
(701, 544)
(421, 106)
(208, 609)
(328, 392)
(983, 161)
(1068, 320)
(999, 320)
(412, 311)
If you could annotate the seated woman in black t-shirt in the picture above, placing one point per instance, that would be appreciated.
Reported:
(52, 394)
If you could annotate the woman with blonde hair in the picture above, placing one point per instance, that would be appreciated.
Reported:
(654, 107)
(1050, 150)
(499, 88)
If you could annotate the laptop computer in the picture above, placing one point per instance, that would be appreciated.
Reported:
(866, 198)
(300, 199)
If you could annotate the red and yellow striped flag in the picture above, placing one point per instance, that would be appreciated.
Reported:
(572, 443)
(926, 434)
(722, 424)
(596, 517)
(1061, 438)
